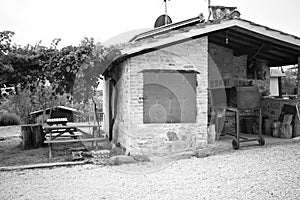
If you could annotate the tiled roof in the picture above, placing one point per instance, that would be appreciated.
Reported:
(189, 29)
(183, 32)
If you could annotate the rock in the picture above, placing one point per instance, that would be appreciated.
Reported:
(121, 159)
(141, 158)
(116, 151)
(100, 153)
(172, 136)
(97, 161)
(202, 153)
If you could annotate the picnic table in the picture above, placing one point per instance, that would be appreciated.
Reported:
(58, 132)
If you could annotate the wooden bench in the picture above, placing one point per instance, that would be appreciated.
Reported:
(75, 140)
(60, 130)
(50, 142)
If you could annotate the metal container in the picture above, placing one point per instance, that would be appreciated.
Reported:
(243, 97)
(246, 97)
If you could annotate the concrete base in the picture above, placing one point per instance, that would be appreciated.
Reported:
(225, 142)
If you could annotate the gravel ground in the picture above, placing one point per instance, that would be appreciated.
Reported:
(270, 172)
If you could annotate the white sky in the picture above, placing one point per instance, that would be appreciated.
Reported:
(71, 20)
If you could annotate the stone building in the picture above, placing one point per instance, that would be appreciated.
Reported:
(156, 87)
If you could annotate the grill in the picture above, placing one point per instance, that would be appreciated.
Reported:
(237, 99)
(243, 98)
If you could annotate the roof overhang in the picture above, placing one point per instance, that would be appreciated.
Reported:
(260, 43)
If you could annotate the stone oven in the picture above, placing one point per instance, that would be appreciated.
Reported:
(156, 87)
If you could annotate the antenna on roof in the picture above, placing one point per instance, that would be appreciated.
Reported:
(166, 11)
(209, 10)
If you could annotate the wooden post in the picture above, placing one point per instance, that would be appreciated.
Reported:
(38, 137)
(280, 86)
(26, 137)
(298, 84)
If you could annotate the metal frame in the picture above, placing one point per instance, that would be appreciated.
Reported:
(238, 138)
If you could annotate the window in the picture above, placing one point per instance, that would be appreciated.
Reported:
(169, 96)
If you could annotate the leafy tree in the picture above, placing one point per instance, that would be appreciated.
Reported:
(45, 74)
(289, 82)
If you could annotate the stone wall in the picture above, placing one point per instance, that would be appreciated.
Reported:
(271, 107)
(121, 104)
(225, 69)
(161, 139)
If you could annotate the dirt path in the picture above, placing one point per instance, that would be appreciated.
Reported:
(270, 172)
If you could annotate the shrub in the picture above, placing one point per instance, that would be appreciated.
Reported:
(8, 119)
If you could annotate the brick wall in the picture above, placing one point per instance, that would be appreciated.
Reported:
(225, 69)
(154, 139)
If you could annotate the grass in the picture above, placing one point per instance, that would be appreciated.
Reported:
(12, 153)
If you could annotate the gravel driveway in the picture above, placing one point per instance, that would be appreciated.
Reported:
(270, 172)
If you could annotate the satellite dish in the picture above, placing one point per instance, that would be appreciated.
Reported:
(161, 21)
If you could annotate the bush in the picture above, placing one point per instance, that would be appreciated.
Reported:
(8, 119)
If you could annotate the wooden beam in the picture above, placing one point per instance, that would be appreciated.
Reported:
(298, 84)
(258, 40)
(75, 140)
(231, 41)
(252, 50)
(262, 36)
(243, 39)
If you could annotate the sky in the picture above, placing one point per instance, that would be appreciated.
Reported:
(105, 20)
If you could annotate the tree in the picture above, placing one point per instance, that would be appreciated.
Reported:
(48, 73)
(289, 82)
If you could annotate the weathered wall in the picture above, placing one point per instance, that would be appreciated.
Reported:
(225, 69)
(154, 139)
(120, 104)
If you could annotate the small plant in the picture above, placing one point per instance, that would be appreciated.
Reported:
(9, 119)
